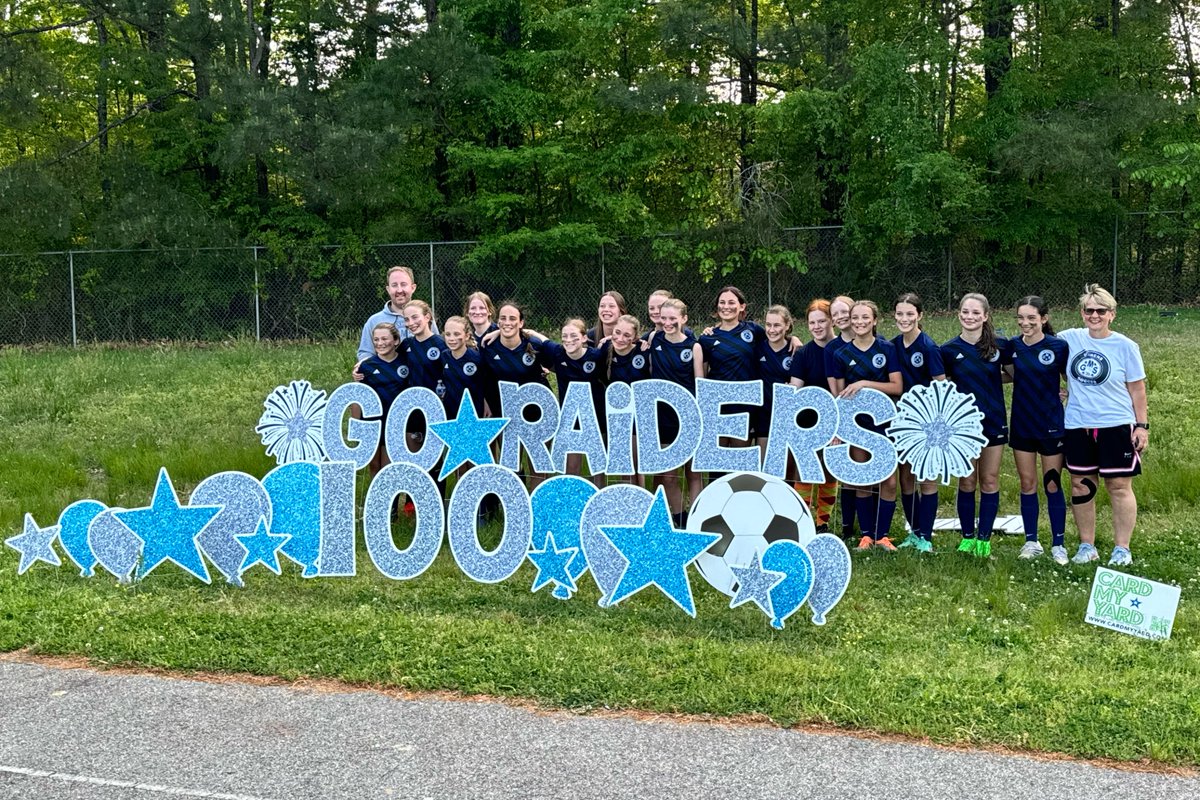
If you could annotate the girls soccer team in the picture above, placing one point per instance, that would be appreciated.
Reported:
(490, 343)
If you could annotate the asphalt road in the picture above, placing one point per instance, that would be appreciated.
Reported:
(79, 733)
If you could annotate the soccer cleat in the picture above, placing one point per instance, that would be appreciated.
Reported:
(1059, 554)
(911, 541)
(864, 544)
(1121, 557)
(983, 548)
(1030, 550)
(967, 545)
(822, 529)
(1085, 554)
(886, 544)
(924, 546)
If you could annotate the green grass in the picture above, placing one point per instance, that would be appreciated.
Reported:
(947, 648)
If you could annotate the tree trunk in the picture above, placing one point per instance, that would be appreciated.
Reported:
(102, 108)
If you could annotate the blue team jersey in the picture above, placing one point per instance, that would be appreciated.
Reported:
(628, 368)
(672, 361)
(387, 378)
(876, 363)
(774, 366)
(588, 368)
(518, 365)
(920, 362)
(1037, 410)
(424, 360)
(479, 336)
(809, 366)
(972, 375)
(461, 376)
(730, 355)
(831, 349)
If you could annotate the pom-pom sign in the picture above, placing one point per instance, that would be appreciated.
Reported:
(749, 533)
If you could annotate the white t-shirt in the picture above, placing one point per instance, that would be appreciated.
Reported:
(1097, 371)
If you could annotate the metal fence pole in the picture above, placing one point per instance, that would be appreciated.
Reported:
(432, 290)
(1116, 246)
(949, 276)
(602, 289)
(74, 326)
(257, 313)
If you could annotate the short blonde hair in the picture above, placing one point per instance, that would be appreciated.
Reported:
(1094, 291)
(406, 270)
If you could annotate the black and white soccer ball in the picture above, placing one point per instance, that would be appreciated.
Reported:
(750, 510)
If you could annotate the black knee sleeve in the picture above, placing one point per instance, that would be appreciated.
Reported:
(1083, 499)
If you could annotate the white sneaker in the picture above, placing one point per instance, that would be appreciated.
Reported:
(1031, 550)
(1059, 554)
(1086, 554)
(1121, 557)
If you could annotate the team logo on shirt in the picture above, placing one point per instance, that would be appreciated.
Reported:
(878, 360)
(1046, 357)
(589, 367)
(917, 360)
(787, 363)
(433, 353)
(685, 356)
(402, 371)
(527, 359)
(639, 362)
(1090, 368)
(747, 336)
(995, 357)
(468, 369)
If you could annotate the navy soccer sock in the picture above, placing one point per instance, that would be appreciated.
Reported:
(908, 501)
(849, 503)
(1030, 508)
(927, 507)
(989, 504)
(866, 514)
(887, 510)
(1056, 509)
(966, 513)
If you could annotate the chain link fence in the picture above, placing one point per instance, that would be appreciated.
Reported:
(327, 292)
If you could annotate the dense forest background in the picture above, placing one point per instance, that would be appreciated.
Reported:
(548, 127)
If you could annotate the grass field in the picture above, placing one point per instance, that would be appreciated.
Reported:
(949, 648)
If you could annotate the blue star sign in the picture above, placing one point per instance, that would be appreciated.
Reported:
(168, 531)
(35, 544)
(658, 555)
(754, 585)
(262, 547)
(1135, 603)
(552, 564)
(467, 437)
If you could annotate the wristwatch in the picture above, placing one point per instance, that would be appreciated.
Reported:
(1143, 425)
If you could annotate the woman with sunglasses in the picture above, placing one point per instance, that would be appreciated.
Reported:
(1107, 423)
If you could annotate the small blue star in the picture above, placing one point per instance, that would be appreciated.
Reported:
(168, 530)
(552, 565)
(35, 544)
(658, 555)
(262, 547)
(754, 585)
(467, 437)
(1135, 603)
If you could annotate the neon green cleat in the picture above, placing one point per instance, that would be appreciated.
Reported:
(983, 548)
(967, 545)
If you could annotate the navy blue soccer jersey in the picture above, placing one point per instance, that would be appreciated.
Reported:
(972, 375)
(479, 336)
(461, 376)
(730, 354)
(876, 363)
(774, 366)
(809, 366)
(672, 361)
(1037, 410)
(920, 362)
(628, 368)
(517, 365)
(424, 360)
(588, 368)
(831, 349)
(387, 378)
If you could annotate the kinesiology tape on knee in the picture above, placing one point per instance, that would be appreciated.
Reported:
(1083, 499)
